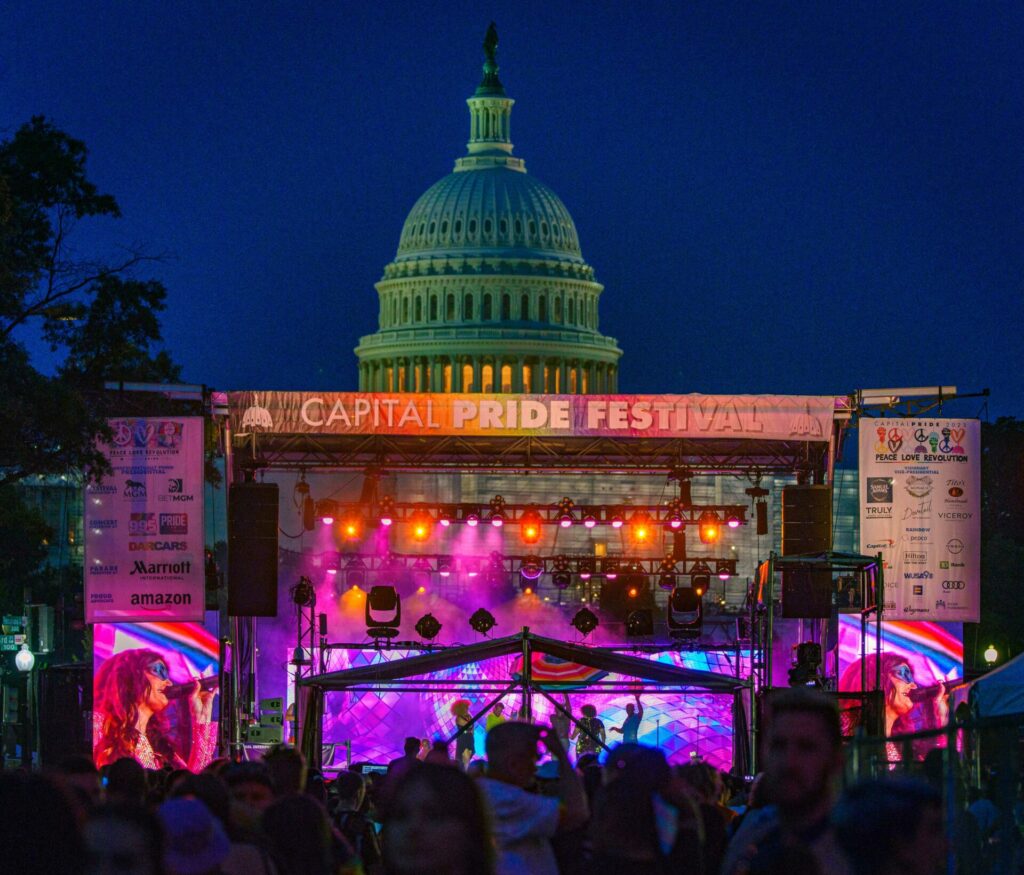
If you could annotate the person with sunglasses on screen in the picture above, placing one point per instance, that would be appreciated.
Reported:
(132, 717)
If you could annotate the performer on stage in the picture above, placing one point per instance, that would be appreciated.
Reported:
(130, 717)
(589, 729)
(631, 725)
(464, 746)
(561, 722)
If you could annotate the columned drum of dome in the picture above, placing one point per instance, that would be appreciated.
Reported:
(489, 291)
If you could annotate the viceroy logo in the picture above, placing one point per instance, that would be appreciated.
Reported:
(134, 489)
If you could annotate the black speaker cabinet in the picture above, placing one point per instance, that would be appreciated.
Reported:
(806, 519)
(252, 550)
(806, 594)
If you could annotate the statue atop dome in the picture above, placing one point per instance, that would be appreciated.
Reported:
(490, 84)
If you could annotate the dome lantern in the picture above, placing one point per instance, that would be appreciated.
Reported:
(490, 118)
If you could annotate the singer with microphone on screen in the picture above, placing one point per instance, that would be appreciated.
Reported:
(131, 716)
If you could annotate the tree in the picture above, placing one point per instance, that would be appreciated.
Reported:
(97, 313)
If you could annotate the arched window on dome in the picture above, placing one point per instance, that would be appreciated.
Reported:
(524, 307)
(572, 311)
(394, 310)
(419, 309)
(542, 314)
(449, 308)
(433, 308)
(558, 308)
(506, 307)
(506, 378)
(572, 379)
(467, 308)
(485, 312)
(405, 309)
(487, 378)
(467, 378)
(447, 377)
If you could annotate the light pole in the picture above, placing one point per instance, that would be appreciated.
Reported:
(25, 660)
(991, 655)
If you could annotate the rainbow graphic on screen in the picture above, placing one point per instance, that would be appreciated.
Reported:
(374, 724)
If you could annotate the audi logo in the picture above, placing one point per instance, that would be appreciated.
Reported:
(953, 584)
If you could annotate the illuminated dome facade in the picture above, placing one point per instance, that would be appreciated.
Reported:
(488, 291)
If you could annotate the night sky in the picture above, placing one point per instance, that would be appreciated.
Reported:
(782, 198)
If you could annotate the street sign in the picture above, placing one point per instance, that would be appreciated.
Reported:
(11, 642)
(9, 620)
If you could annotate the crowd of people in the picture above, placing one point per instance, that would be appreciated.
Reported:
(526, 808)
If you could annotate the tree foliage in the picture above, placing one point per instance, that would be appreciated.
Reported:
(96, 314)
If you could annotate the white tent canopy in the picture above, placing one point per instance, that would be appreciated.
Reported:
(1000, 693)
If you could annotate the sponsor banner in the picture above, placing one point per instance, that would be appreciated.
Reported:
(921, 509)
(771, 417)
(144, 534)
(154, 663)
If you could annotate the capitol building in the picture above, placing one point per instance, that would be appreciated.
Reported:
(489, 291)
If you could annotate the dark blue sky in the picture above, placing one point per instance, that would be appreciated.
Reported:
(793, 198)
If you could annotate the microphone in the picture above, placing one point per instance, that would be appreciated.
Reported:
(179, 691)
(926, 694)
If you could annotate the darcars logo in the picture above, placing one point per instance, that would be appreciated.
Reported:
(136, 546)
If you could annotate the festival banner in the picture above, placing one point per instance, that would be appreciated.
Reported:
(765, 417)
(144, 534)
(920, 507)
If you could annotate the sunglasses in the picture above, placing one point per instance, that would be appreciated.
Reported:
(904, 673)
(159, 670)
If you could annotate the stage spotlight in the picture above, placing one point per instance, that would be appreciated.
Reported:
(444, 518)
(333, 562)
(351, 526)
(701, 583)
(428, 627)
(355, 572)
(561, 579)
(482, 621)
(532, 567)
(639, 624)
(303, 595)
(667, 574)
(616, 520)
(560, 563)
(530, 526)
(685, 613)
(497, 516)
(641, 528)
(585, 621)
(585, 568)
(710, 527)
(327, 510)
(589, 520)
(472, 520)
(421, 571)
(610, 568)
(383, 600)
(675, 521)
(733, 521)
(632, 592)
(421, 524)
(444, 566)
(471, 567)
(386, 510)
(565, 517)
(724, 569)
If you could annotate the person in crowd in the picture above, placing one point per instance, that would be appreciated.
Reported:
(348, 792)
(410, 755)
(252, 791)
(300, 838)
(477, 768)
(437, 824)
(126, 781)
(705, 783)
(644, 820)
(588, 732)
(195, 842)
(464, 746)
(130, 715)
(524, 821)
(802, 759)
(245, 857)
(39, 831)
(496, 717)
(124, 839)
(561, 721)
(892, 827)
(438, 753)
(79, 773)
(287, 767)
(631, 725)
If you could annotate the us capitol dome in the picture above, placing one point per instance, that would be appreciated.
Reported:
(489, 291)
